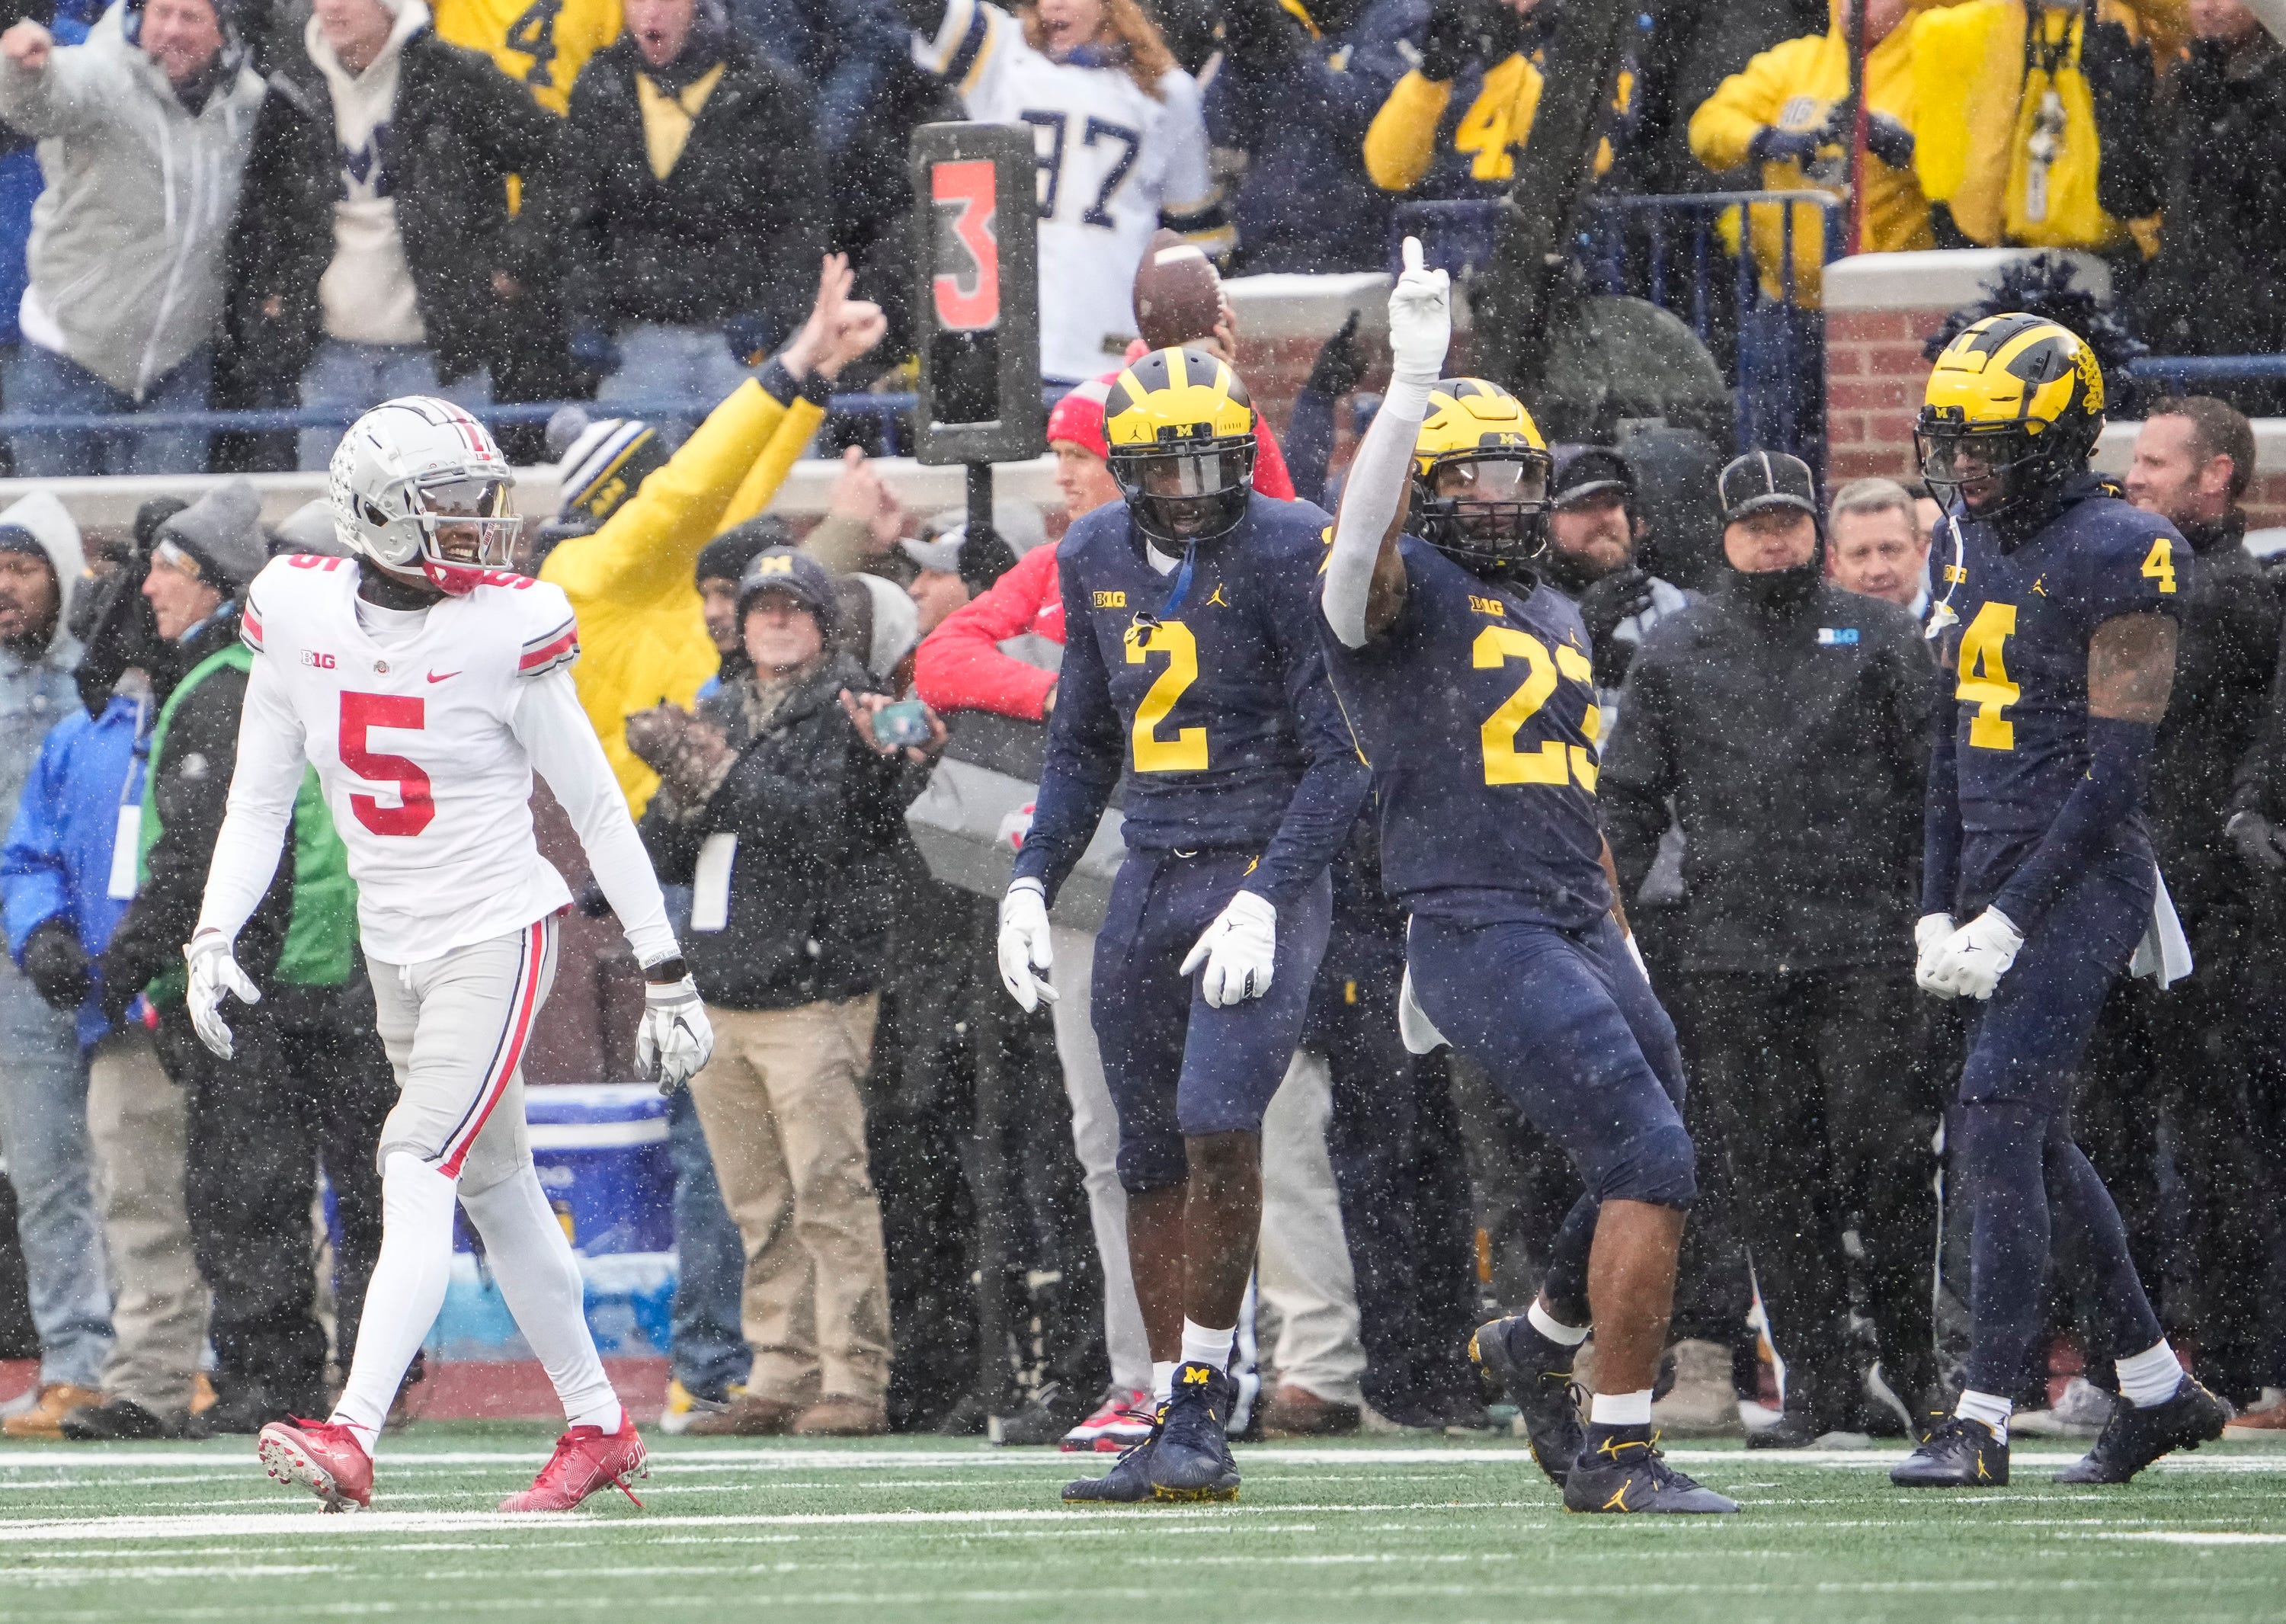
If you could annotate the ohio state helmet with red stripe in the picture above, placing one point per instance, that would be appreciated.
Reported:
(419, 487)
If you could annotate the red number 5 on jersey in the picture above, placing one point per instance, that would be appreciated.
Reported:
(414, 810)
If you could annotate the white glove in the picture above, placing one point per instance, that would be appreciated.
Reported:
(675, 1039)
(1976, 956)
(213, 972)
(1025, 956)
(1240, 949)
(1420, 320)
(1930, 935)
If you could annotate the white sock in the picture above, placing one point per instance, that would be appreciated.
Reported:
(405, 1294)
(1549, 1325)
(1163, 1380)
(1994, 1412)
(1202, 1345)
(1620, 1409)
(540, 1278)
(2151, 1376)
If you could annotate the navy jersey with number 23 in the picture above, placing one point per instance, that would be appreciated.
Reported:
(1477, 710)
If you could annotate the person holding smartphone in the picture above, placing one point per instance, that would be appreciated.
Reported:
(782, 805)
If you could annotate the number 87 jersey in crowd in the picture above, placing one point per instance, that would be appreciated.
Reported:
(424, 730)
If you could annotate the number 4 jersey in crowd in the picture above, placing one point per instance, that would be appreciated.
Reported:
(1113, 158)
(1476, 710)
(425, 726)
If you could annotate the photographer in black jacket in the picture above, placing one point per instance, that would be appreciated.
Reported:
(1785, 722)
(784, 814)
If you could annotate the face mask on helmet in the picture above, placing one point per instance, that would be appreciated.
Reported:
(1181, 495)
(1992, 472)
(1487, 510)
(468, 529)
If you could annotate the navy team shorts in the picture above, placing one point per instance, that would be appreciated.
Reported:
(2030, 1038)
(1574, 1036)
(1175, 1065)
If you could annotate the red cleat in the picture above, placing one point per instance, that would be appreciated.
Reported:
(326, 1459)
(586, 1459)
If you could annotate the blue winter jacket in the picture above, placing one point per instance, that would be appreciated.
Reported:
(1305, 204)
(58, 861)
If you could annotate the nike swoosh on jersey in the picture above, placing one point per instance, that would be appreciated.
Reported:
(443, 676)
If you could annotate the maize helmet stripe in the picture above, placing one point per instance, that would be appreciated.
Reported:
(2015, 369)
(1176, 394)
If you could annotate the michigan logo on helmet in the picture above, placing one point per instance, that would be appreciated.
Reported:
(2012, 410)
(1180, 429)
(1480, 475)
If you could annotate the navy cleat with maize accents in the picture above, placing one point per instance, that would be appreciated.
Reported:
(1535, 1375)
(1192, 1459)
(1621, 1471)
(2136, 1435)
(1129, 1481)
(1957, 1452)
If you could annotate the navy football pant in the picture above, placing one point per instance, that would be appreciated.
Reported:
(2016, 1158)
(1176, 1066)
(1572, 1036)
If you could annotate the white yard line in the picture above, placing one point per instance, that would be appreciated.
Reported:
(305, 1524)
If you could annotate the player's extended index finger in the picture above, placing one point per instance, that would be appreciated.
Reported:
(1413, 260)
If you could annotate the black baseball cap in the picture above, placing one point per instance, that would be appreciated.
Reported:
(798, 575)
(1761, 480)
(1595, 471)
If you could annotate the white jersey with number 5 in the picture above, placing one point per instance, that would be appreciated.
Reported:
(425, 741)
(1114, 159)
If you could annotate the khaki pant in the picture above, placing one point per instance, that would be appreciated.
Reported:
(787, 1128)
(139, 1122)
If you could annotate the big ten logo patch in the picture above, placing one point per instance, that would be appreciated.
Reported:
(1111, 600)
(316, 660)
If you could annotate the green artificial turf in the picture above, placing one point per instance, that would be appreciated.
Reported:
(927, 1529)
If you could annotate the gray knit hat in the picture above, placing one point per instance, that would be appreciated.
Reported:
(222, 531)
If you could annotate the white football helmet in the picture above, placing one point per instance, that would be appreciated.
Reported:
(420, 486)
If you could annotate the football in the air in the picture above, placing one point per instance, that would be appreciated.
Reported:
(1178, 292)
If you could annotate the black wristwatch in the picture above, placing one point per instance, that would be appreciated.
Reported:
(665, 971)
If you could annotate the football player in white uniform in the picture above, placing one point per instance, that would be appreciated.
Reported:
(1122, 145)
(426, 685)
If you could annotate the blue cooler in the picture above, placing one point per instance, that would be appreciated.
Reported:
(603, 1159)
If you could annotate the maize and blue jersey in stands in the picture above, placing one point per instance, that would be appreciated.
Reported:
(1215, 712)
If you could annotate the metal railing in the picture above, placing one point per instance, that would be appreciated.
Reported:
(1666, 247)
(885, 418)
(2182, 375)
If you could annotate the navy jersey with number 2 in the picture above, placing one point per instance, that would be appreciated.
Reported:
(1217, 715)
(1477, 709)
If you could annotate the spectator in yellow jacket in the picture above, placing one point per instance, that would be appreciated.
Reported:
(2034, 123)
(631, 522)
(1789, 112)
(1429, 140)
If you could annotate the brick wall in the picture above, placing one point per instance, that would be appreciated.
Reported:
(1880, 312)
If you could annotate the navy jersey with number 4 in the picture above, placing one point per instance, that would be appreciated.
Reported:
(1218, 716)
(1477, 709)
(2026, 619)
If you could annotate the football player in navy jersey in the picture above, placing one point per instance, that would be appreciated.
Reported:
(2058, 616)
(1470, 688)
(1191, 676)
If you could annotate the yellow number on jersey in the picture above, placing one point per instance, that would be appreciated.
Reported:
(1186, 752)
(1499, 118)
(1984, 676)
(1553, 762)
(2159, 563)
